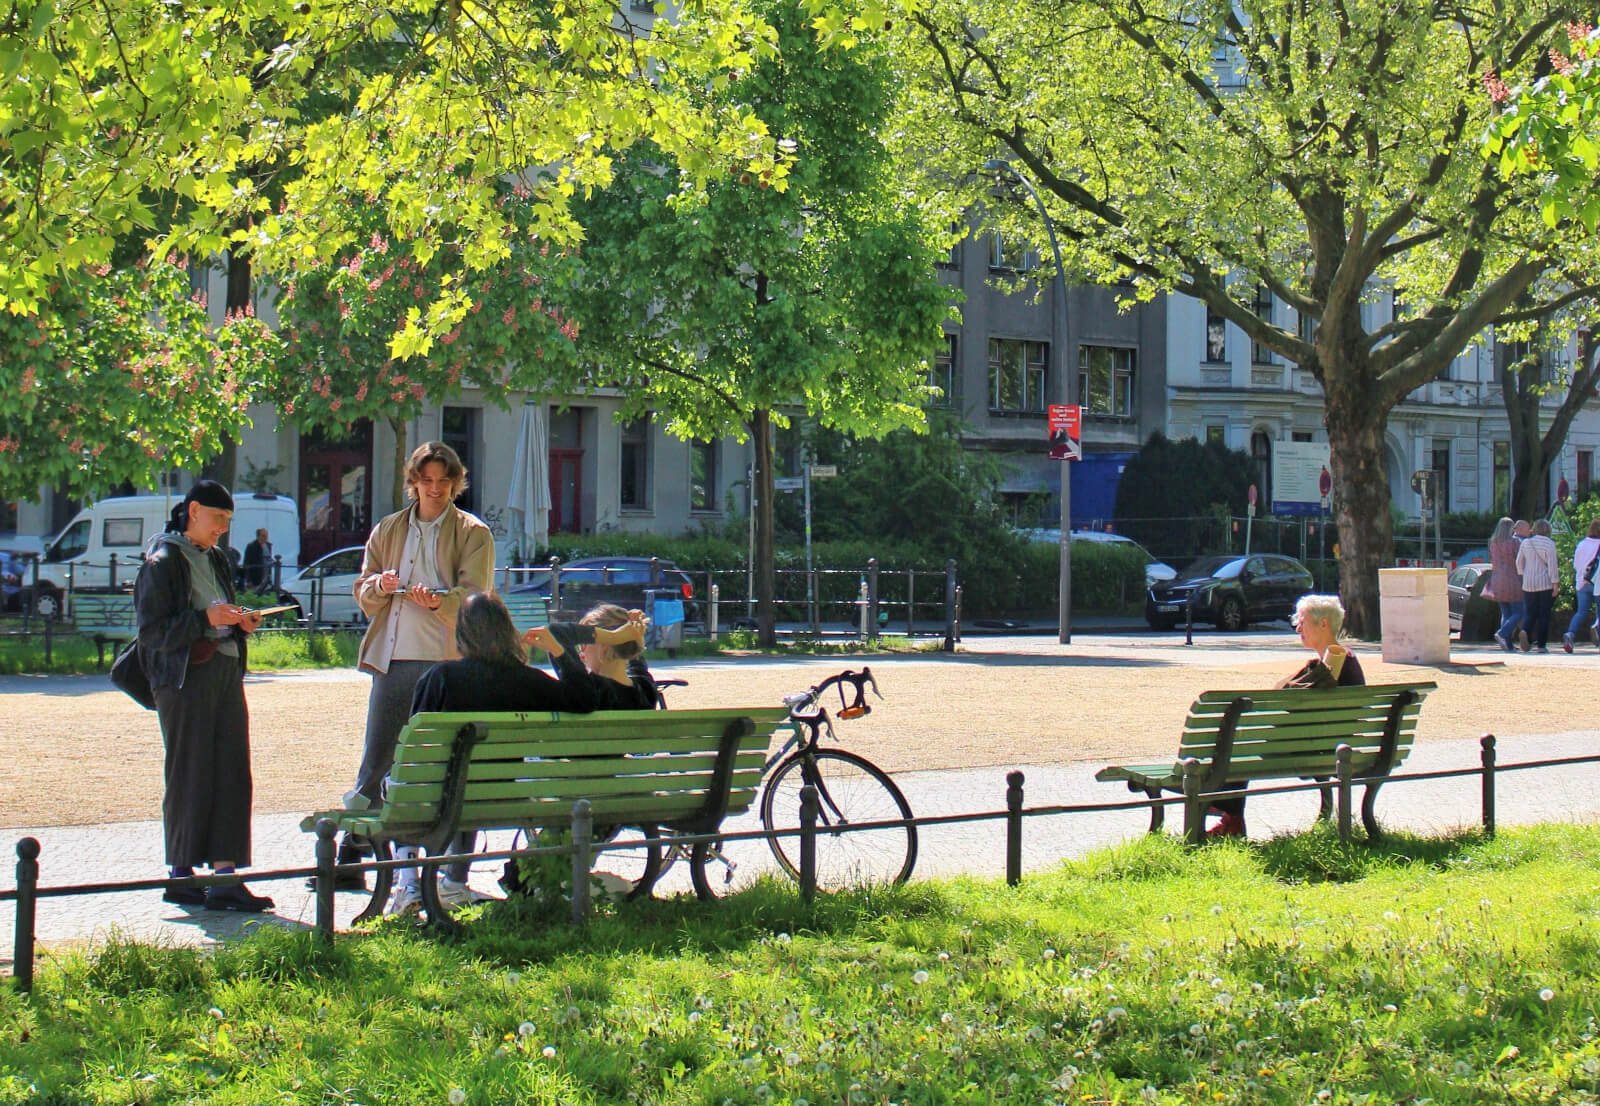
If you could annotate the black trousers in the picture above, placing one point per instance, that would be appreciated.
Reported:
(1539, 603)
(205, 729)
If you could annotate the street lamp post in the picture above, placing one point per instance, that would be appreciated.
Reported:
(1058, 290)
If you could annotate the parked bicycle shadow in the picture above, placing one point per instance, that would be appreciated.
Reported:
(223, 925)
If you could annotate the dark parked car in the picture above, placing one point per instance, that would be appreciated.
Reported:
(620, 580)
(1476, 617)
(1231, 591)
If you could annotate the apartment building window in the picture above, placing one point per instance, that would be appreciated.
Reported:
(1260, 354)
(1502, 476)
(702, 476)
(1105, 380)
(1306, 327)
(1017, 376)
(1585, 471)
(997, 253)
(1441, 474)
(952, 259)
(1300, 436)
(458, 429)
(1216, 336)
(942, 373)
(635, 476)
(1216, 433)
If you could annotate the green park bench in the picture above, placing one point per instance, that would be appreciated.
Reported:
(527, 610)
(107, 619)
(665, 771)
(1285, 734)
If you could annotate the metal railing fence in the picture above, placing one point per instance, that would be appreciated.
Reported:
(583, 847)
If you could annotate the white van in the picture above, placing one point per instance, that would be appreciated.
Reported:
(80, 556)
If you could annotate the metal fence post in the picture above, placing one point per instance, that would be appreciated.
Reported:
(112, 579)
(715, 592)
(872, 599)
(49, 640)
(1342, 767)
(808, 842)
(1013, 828)
(1486, 750)
(325, 849)
(1194, 811)
(27, 905)
(950, 605)
(582, 833)
(277, 571)
(555, 583)
(911, 602)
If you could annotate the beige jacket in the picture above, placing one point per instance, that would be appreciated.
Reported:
(466, 556)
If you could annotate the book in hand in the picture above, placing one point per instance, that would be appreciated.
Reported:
(265, 611)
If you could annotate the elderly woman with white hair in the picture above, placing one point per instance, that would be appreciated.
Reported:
(1319, 619)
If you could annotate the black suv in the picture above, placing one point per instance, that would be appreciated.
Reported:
(1231, 591)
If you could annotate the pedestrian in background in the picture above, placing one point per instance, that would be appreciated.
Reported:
(1505, 582)
(1540, 566)
(419, 565)
(258, 561)
(192, 646)
(1583, 566)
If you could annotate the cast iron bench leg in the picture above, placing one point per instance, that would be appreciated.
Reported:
(1158, 813)
(383, 882)
(1326, 811)
(1368, 818)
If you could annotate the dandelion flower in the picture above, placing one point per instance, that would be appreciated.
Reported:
(513, 977)
(1216, 909)
(782, 939)
(1148, 1093)
(549, 1052)
(919, 977)
(943, 956)
(525, 1029)
(1115, 1013)
(1546, 994)
(216, 1012)
(1462, 1069)
(1390, 1008)
(456, 1097)
(1390, 916)
(1049, 954)
(1197, 1030)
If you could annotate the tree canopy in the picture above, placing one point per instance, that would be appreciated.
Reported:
(1329, 154)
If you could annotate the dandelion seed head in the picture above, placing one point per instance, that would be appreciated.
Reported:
(548, 1052)
(525, 1029)
(1546, 994)
(943, 957)
(456, 1097)
(919, 977)
(216, 1012)
(1049, 954)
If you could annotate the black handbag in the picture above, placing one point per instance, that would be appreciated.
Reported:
(127, 673)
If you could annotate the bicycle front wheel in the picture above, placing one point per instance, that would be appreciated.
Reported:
(851, 790)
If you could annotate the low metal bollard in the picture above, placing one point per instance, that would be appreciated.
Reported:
(582, 835)
(808, 842)
(1194, 811)
(1013, 828)
(27, 907)
(715, 591)
(1342, 768)
(1486, 751)
(325, 849)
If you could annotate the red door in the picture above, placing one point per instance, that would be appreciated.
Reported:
(566, 490)
(335, 491)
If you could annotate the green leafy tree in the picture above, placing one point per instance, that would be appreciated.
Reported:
(1172, 493)
(717, 313)
(120, 377)
(1323, 151)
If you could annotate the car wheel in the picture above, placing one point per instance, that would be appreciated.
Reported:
(1230, 616)
(47, 604)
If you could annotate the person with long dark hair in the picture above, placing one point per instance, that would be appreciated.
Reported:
(193, 647)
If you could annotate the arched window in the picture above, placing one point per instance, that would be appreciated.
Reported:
(1261, 453)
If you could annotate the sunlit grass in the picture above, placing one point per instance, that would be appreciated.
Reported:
(1446, 971)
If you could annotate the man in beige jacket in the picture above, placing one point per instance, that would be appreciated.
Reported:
(420, 564)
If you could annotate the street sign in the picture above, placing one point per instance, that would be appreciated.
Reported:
(788, 483)
(823, 472)
(1065, 438)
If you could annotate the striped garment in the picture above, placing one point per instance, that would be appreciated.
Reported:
(1539, 563)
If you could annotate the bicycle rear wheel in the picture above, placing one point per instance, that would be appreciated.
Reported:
(850, 790)
(630, 871)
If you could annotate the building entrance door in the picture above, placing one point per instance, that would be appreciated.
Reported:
(566, 490)
(335, 490)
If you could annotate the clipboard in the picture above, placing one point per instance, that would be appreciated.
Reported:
(265, 611)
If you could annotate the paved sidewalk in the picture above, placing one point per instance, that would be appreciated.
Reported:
(87, 854)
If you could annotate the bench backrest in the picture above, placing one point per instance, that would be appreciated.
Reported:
(527, 769)
(1293, 732)
(109, 614)
(527, 610)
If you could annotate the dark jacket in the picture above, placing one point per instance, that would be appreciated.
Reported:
(168, 623)
(483, 685)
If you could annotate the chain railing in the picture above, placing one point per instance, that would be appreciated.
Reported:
(583, 847)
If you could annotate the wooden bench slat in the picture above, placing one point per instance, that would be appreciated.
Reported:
(433, 772)
(1291, 735)
(1218, 701)
(1370, 717)
(551, 747)
(588, 787)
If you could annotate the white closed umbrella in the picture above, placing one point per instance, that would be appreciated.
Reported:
(528, 500)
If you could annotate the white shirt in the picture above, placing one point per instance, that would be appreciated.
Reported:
(416, 633)
(1539, 563)
(1581, 556)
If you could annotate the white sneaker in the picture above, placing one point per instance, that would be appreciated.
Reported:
(454, 894)
(407, 899)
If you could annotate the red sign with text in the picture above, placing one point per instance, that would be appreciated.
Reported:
(1065, 440)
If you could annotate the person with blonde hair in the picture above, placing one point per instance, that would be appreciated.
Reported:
(1319, 620)
(609, 645)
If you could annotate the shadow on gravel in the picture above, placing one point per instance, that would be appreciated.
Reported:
(48, 683)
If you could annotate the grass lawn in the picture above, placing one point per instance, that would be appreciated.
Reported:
(1455, 971)
(73, 654)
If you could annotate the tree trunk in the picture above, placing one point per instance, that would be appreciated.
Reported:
(1356, 421)
(397, 497)
(761, 479)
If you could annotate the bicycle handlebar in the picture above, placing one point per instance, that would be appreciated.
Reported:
(854, 707)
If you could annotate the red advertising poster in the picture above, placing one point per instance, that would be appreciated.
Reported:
(1064, 436)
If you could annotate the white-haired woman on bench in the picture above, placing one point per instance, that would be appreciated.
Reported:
(1319, 619)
